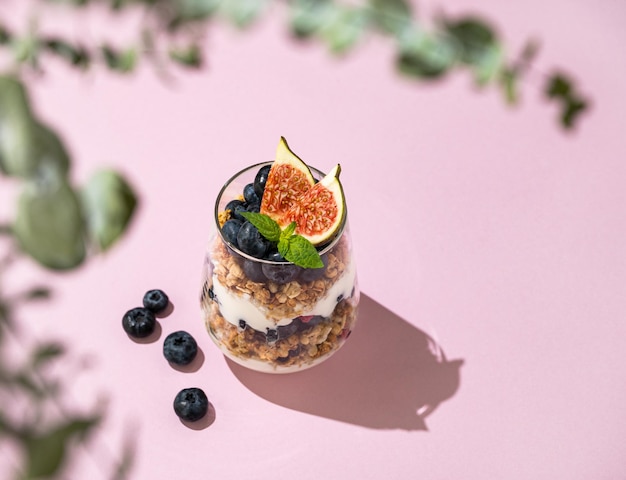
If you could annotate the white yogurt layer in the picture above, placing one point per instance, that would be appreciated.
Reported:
(235, 307)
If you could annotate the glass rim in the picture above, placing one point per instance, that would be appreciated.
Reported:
(257, 166)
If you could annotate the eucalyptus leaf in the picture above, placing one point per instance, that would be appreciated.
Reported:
(28, 148)
(509, 80)
(186, 11)
(5, 35)
(122, 61)
(391, 16)
(46, 352)
(74, 54)
(571, 111)
(487, 67)
(345, 29)
(474, 36)
(309, 16)
(17, 129)
(190, 56)
(109, 203)
(49, 225)
(429, 58)
(46, 452)
(243, 12)
(558, 86)
(38, 293)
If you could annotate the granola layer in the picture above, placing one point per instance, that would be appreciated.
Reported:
(294, 337)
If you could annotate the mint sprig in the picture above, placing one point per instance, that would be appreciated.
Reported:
(293, 247)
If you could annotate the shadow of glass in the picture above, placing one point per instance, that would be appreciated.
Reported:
(389, 375)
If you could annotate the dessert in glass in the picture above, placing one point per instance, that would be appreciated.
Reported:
(280, 291)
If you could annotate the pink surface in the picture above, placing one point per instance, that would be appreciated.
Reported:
(488, 230)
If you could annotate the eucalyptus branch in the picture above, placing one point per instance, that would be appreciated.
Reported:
(173, 31)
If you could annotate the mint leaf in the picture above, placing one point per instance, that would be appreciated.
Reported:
(266, 226)
(288, 231)
(294, 248)
(299, 251)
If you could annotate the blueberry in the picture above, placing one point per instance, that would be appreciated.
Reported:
(235, 207)
(285, 331)
(139, 322)
(180, 348)
(250, 241)
(242, 324)
(191, 404)
(280, 272)
(156, 301)
(261, 179)
(230, 229)
(272, 335)
(310, 274)
(250, 195)
(254, 271)
(253, 207)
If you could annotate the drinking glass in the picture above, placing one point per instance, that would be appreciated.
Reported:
(276, 317)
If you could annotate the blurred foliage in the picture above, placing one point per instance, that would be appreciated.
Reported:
(172, 33)
(45, 432)
(60, 225)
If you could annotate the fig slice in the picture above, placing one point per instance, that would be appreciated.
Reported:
(319, 212)
(288, 180)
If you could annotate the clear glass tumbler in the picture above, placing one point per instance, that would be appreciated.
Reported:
(272, 316)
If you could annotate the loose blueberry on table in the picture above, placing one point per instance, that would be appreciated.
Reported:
(180, 348)
(139, 322)
(191, 404)
(156, 301)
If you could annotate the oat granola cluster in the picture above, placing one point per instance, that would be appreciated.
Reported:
(306, 338)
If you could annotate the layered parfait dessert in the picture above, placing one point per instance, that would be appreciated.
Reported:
(280, 289)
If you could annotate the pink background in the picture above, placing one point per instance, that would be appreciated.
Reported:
(487, 229)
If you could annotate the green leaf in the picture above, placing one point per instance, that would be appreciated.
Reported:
(5, 35)
(190, 56)
(49, 225)
(17, 128)
(572, 110)
(289, 230)
(487, 67)
(266, 226)
(38, 293)
(558, 86)
(309, 16)
(28, 148)
(109, 203)
(429, 58)
(509, 79)
(345, 29)
(474, 36)
(122, 61)
(46, 352)
(46, 452)
(74, 55)
(479, 47)
(391, 16)
(243, 12)
(186, 11)
(26, 49)
(299, 251)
